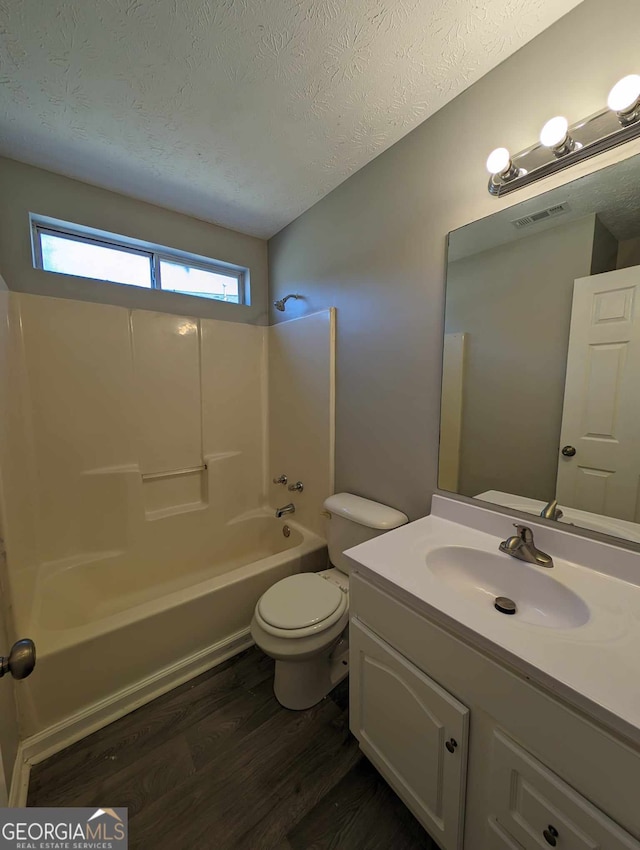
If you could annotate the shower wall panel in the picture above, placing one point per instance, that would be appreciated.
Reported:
(113, 408)
(302, 412)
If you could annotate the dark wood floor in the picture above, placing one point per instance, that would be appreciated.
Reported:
(218, 763)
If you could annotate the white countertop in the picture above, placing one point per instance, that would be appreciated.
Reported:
(595, 666)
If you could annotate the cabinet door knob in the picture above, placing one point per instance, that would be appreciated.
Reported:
(451, 745)
(550, 834)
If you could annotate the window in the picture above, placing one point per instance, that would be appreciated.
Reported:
(66, 254)
(75, 250)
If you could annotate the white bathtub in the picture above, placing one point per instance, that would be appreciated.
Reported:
(108, 628)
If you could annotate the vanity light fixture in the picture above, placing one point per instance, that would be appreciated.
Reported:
(555, 136)
(500, 166)
(499, 162)
(624, 99)
(562, 145)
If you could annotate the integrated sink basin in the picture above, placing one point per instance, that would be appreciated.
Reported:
(483, 576)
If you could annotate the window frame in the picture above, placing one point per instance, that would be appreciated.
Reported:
(154, 253)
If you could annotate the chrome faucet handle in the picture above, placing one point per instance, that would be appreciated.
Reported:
(297, 487)
(281, 479)
(524, 532)
(524, 537)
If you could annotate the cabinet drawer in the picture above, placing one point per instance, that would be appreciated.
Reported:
(413, 731)
(497, 838)
(540, 810)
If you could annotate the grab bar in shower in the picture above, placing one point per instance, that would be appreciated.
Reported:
(173, 473)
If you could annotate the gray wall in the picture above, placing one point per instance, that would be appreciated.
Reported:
(605, 250)
(629, 253)
(375, 246)
(25, 189)
(514, 303)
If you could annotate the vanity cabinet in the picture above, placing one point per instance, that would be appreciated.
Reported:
(413, 731)
(538, 773)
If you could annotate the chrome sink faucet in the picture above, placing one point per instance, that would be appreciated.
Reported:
(288, 509)
(521, 546)
(551, 510)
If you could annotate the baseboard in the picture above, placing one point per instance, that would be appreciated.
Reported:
(19, 780)
(40, 746)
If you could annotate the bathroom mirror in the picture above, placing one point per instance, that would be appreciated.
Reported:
(541, 367)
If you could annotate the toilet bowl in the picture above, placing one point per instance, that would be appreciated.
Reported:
(302, 620)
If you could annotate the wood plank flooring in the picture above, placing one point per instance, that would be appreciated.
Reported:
(218, 763)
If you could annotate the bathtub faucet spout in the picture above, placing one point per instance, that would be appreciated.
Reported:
(288, 509)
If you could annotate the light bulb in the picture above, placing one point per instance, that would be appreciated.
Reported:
(554, 132)
(499, 161)
(625, 94)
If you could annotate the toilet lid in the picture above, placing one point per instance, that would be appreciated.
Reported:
(299, 601)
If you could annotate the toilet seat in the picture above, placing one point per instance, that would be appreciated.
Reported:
(300, 605)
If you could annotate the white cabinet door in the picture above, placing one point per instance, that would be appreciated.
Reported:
(413, 731)
(600, 468)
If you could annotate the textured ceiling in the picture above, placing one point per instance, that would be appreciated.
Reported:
(241, 112)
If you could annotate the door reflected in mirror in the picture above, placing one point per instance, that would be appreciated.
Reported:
(541, 365)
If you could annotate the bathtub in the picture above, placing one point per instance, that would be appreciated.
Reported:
(114, 630)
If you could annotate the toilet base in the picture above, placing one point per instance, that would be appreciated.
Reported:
(302, 684)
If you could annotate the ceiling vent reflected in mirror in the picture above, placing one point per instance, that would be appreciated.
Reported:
(543, 215)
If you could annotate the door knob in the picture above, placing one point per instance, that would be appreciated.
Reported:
(20, 661)
(568, 451)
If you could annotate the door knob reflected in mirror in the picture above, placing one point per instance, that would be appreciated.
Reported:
(20, 661)
(568, 451)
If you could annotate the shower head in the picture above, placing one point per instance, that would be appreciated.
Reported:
(280, 304)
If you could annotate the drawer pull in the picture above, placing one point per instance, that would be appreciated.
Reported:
(550, 835)
(451, 745)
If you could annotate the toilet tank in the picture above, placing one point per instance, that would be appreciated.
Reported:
(354, 520)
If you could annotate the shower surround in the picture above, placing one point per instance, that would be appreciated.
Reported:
(136, 462)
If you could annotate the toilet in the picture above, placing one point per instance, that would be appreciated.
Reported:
(302, 621)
